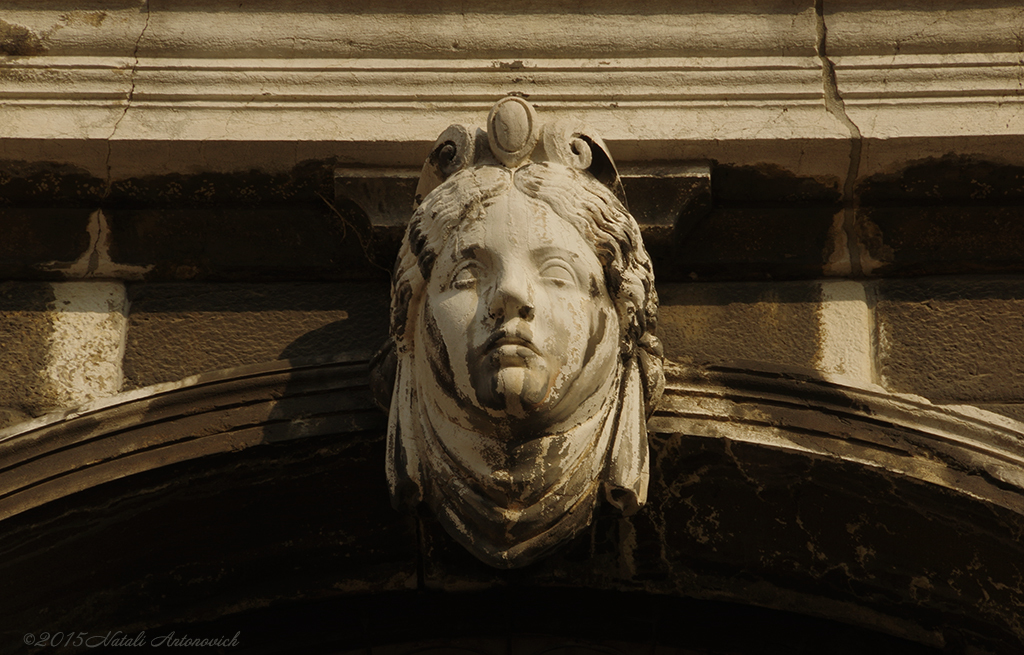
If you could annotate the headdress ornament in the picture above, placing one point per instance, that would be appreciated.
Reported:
(515, 137)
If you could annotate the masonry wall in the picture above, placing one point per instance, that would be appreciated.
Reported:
(949, 339)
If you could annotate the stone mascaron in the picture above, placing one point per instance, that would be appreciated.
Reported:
(522, 347)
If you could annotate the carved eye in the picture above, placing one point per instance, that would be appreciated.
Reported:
(558, 273)
(466, 276)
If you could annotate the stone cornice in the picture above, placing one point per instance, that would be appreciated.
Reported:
(742, 84)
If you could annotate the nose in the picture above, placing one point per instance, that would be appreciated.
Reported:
(513, 297)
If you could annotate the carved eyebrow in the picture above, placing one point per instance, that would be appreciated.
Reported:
(548, 252)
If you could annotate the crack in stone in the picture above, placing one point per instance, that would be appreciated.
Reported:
(128, 100)
(834, 105)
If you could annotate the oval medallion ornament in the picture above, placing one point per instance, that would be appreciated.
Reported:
(511, 130)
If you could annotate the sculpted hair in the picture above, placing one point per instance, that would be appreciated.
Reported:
(574, 196)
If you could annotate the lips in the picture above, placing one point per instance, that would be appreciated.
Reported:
(504, 341)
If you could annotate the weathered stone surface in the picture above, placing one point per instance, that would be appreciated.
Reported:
(942, 240)
(752, 243)
(239, 243)
(177, 330)
(524, 359)
(25, 333)
(60, 345)
(943, 215)
(845, 324)
(952, 339)
(715, 322)
(84, 359)
(1013, 410)
(800, 522)
(36, 236)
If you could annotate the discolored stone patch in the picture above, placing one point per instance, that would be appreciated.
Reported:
(19, 41)
(758, 243)
(945, 240)
(949, 215)
(298, 242)
(35, 238)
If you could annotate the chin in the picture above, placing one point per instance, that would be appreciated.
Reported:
(517, 391)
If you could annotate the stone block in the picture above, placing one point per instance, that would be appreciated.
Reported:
(942, 240)
(952, 339)
(235, 243)
(25, 333)
(720, 322)
(752, 243)
(87, 346)
(36, 236)
(945, 215)
(176, 330)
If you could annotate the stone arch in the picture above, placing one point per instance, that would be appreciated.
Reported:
(253, 499)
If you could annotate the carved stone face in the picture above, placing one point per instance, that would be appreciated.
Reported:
(523, 363)
(518, 300)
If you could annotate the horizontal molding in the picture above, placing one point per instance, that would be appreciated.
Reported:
(372, 83)
(730, 93)
(375, 83)
(414, 29)
(925, 78)
(662, 80)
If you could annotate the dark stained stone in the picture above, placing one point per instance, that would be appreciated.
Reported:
(753, 515)
(34, 237)
(940, 216)
(761, 243)
(222, 534)
(943, 180)
(769, 184)
(48, 184)
(944, 240)
(233, 243)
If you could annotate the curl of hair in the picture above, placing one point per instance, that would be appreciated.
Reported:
(576, 197)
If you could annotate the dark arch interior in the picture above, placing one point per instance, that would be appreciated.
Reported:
(541, 620)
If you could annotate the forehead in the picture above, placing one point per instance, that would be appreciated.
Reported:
(513, 220)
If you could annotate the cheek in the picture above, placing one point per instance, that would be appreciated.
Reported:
(456, 314)
(570, 326)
